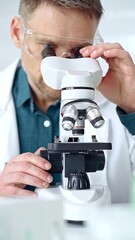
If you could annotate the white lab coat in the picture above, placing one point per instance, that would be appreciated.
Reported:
(120, 161)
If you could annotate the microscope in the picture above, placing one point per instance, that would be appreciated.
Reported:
(69, 154)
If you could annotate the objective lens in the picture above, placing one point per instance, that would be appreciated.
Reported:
(70, 115)
(78, 129)
(94, 116)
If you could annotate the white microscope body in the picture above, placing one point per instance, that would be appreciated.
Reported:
(77, 80)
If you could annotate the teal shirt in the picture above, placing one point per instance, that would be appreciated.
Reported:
(36, 128)
(128, 120)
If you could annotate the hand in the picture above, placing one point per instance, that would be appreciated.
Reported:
(25, 169)
(118, 85)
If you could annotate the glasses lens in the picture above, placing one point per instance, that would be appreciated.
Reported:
(98, 38)
(39, 46)
(33, 45)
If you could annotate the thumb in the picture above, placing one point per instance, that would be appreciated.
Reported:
(38, 151)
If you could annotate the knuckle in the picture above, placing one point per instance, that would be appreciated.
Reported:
(19, 176)
(117, 45)
(37, 182)
(25, 165)
(26, 156)
(42, 174)
(127, 54)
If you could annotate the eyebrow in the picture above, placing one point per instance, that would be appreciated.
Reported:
(58, 42)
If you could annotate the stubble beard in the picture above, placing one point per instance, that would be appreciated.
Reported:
(45, 91)
(38, 86)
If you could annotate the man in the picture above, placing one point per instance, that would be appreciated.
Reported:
(29, 113)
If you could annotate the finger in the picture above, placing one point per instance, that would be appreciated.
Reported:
(26, 179)
(28, 168)
(47, 163)
(120, 54)
(33, 159)
(98, 50)
(40, 149)
(103, 46)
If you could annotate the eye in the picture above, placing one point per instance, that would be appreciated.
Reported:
(48, 51)
(76, 52)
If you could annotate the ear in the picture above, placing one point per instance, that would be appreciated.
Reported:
(15, 30)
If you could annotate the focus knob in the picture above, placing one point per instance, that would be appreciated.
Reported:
(78, 180)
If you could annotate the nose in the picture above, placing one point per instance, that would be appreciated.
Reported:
(66, 55)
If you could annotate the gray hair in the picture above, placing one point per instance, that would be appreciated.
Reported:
(92, 8)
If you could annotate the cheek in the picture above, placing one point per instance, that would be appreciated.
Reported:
(31, 66)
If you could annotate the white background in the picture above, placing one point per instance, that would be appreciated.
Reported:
(117, 24)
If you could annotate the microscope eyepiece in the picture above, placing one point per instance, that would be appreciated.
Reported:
(48, 51)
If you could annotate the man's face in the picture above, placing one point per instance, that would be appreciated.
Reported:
(46, 20)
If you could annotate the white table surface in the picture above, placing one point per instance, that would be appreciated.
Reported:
(116, 222)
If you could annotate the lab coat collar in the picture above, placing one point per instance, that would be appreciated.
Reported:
(6, 84)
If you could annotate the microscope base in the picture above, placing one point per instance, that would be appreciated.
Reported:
(77, 204)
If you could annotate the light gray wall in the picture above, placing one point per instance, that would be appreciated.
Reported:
(8, 52)
(117, 24)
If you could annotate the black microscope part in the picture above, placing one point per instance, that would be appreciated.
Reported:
(78, 181)
(48, 51)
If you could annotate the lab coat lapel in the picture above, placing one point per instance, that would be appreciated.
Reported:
(9, 144)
